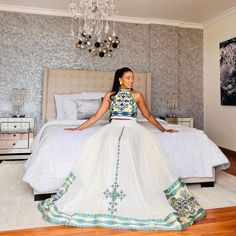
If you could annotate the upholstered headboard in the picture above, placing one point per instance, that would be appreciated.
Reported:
(67, 81)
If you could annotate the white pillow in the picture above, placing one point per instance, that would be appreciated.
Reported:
(92, 95)
(70, 110)
(59, 100)
(87, 107)
(96, 95)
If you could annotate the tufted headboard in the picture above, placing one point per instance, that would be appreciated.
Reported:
(67, 81)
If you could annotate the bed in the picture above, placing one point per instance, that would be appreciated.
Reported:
(54, 153)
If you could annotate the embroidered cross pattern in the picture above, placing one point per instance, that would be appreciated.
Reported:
(114, 193)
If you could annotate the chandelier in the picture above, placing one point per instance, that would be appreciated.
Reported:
(95, 32)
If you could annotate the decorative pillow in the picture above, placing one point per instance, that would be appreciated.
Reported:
(87, 107)
(59, 101)
(71, 113)
(70, 110)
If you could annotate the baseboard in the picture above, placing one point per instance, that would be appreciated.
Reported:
(228, 151)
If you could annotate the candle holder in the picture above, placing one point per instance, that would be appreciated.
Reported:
(17, 99)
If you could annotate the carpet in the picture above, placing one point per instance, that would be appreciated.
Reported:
(19, 211)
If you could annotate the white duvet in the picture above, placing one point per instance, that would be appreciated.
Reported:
(55, 152)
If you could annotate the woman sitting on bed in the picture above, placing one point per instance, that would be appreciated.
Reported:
(123, 179)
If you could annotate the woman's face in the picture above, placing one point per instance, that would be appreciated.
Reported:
(127, 80)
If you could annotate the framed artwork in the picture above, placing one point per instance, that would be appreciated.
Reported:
(228, 72)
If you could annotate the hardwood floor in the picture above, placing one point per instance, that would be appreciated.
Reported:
(232, 158)
(218, 222)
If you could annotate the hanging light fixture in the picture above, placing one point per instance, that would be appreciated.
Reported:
(95, 32)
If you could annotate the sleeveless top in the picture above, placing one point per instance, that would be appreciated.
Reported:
(123, 105)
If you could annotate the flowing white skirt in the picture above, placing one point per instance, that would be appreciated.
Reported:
(124, 181)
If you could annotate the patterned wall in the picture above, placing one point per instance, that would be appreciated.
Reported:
(176, 64)
(173, 55)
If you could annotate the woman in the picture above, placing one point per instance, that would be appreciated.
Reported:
(123, 179)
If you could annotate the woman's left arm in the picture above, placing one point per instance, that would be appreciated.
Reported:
(143, 108)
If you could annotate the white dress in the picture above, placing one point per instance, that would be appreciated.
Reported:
(123, 181)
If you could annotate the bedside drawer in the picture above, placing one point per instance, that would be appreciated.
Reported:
(14, 144)
(15, 126)
(172, 120)
(14, 136)
(185, 121)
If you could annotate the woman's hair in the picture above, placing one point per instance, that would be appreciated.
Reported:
(118, 74)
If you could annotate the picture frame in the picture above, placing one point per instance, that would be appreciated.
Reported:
(228, 72)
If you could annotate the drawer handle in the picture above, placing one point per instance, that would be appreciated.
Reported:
(14, 126)
(14, 144)
(14, 135)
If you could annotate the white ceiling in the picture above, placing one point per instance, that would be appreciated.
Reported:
(197, 12)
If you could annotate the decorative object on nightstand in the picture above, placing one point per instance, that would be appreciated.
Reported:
(180, 120)
(16, 137)
(172, 103)
(17, 99)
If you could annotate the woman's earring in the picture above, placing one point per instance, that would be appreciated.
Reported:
(120, 82)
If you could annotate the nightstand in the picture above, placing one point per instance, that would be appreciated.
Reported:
(180, 120)
(16, 137)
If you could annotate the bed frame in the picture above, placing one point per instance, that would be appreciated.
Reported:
(67, 81)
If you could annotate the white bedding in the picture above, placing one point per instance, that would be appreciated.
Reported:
(55, 152)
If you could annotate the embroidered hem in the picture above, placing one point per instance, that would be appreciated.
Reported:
(187, 211)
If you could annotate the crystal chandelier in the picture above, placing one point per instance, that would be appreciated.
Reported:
(95, 32)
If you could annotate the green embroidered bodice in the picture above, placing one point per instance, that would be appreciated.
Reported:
(123, 105)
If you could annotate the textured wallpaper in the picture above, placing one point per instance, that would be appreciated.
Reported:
(173, 55)
(176, 64)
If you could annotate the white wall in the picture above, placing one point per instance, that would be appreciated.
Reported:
(219, 121)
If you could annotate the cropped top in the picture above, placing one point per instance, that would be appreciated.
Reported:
(123, 105)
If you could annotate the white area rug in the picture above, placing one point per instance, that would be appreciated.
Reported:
(18, 209)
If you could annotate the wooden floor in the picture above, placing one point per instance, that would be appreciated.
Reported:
(218, 222)
(232, 158)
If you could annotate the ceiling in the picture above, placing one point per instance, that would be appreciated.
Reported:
(198, 12)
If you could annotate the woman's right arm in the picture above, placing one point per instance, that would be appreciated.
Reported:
(100, 112)
(143, 108)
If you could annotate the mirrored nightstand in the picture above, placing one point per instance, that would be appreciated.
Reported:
(16, 137)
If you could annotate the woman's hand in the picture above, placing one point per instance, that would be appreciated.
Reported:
(170, 130)
(72, 129)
